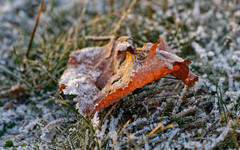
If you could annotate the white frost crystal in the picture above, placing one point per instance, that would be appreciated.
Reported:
(79, 79)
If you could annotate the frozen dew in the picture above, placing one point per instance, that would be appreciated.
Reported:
(95, 120)
(216, 47)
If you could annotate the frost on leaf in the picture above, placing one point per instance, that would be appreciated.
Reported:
(100, 76)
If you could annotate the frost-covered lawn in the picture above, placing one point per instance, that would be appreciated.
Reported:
(205, 116)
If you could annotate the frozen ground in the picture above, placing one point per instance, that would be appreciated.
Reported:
(204, 116)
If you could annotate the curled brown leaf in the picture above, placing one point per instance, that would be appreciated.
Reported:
(100, 76)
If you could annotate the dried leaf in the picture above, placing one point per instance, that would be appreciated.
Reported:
(17, 90)
(100, 76)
